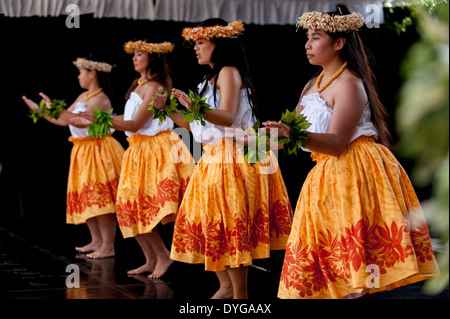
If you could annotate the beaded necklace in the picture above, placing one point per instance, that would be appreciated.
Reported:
(320, 89)
(87, 96)
(143, 81)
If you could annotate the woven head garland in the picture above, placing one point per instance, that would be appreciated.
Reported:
(82, 63)
(330, 23)
(159, 48)
(232, 30)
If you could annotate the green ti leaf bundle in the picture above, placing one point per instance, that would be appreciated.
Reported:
(102, 124)
(171, 106)
(299, 137)
(52, 111)
(199, 111)
(257, 150)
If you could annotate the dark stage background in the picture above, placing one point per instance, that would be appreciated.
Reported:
(37, 54)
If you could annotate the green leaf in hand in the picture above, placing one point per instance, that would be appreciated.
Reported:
(299, 137)
(162, 114)
(52, 111)
(102, 124)
(200, 108)
(258, 152)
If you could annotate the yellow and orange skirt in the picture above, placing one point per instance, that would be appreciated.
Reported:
(155, 173)
(358, 226)
(227, 218)
(95, 165)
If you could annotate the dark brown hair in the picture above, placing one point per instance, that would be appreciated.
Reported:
(230, 52)
(357, 57)
(158, 66)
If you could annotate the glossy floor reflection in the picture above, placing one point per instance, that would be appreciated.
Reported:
(40, 263)
(46, 268)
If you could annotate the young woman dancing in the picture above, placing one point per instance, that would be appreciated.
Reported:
(95, 163)
(227, 217)
(358, 226)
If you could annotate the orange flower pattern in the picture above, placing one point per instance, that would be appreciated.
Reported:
(213, 240)
(92, 194)
(145, 208)
(310, 270)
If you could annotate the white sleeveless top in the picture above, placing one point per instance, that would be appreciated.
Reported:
(319, 114)
(152, 127)
(211, 133)
(81, 132)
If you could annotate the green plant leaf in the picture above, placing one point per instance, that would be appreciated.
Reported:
(102, 123)
(299, 137)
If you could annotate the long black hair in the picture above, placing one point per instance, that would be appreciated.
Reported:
(230, 52)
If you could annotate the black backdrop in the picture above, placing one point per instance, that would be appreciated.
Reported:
(37, 54)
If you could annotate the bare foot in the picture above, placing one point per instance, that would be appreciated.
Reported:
(89, 248)
(103, 252)
(161, 267)
(143, 269)
(224, 293)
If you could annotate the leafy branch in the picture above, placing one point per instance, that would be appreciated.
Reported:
(162, 114)
(52, 111)
(102, 123)
(299, 137)
(258, 151)
(200, 109)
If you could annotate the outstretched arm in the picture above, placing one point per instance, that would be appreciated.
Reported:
(64, 117)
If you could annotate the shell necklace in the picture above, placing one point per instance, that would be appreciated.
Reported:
(320, 89)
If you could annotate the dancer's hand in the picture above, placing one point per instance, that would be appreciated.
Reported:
(32, 105)
(240, 136)
(183, 98)
(87, 115)
(159, 101)
(80, 121)
(46, 99)
(277, 128)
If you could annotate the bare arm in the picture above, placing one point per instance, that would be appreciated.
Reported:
(348, 107)
(229, 83)
(64, 117)
(142, 115)
(160, 100)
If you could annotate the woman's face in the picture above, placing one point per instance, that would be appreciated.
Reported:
(320, 47)
(203, 50)
(140, 61)
(85, 78)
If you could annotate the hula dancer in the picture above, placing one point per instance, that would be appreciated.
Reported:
(95, 163)
(357, 216)
(227, 218)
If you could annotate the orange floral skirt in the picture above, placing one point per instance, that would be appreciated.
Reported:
(358, 226)
(93, 178)
(155, 173)
(227, 218)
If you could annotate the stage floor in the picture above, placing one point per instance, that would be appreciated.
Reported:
(42, 264)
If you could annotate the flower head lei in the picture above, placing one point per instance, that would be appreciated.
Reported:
(160, 48)
(82, 63)
(335, 23)
(232, 30)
